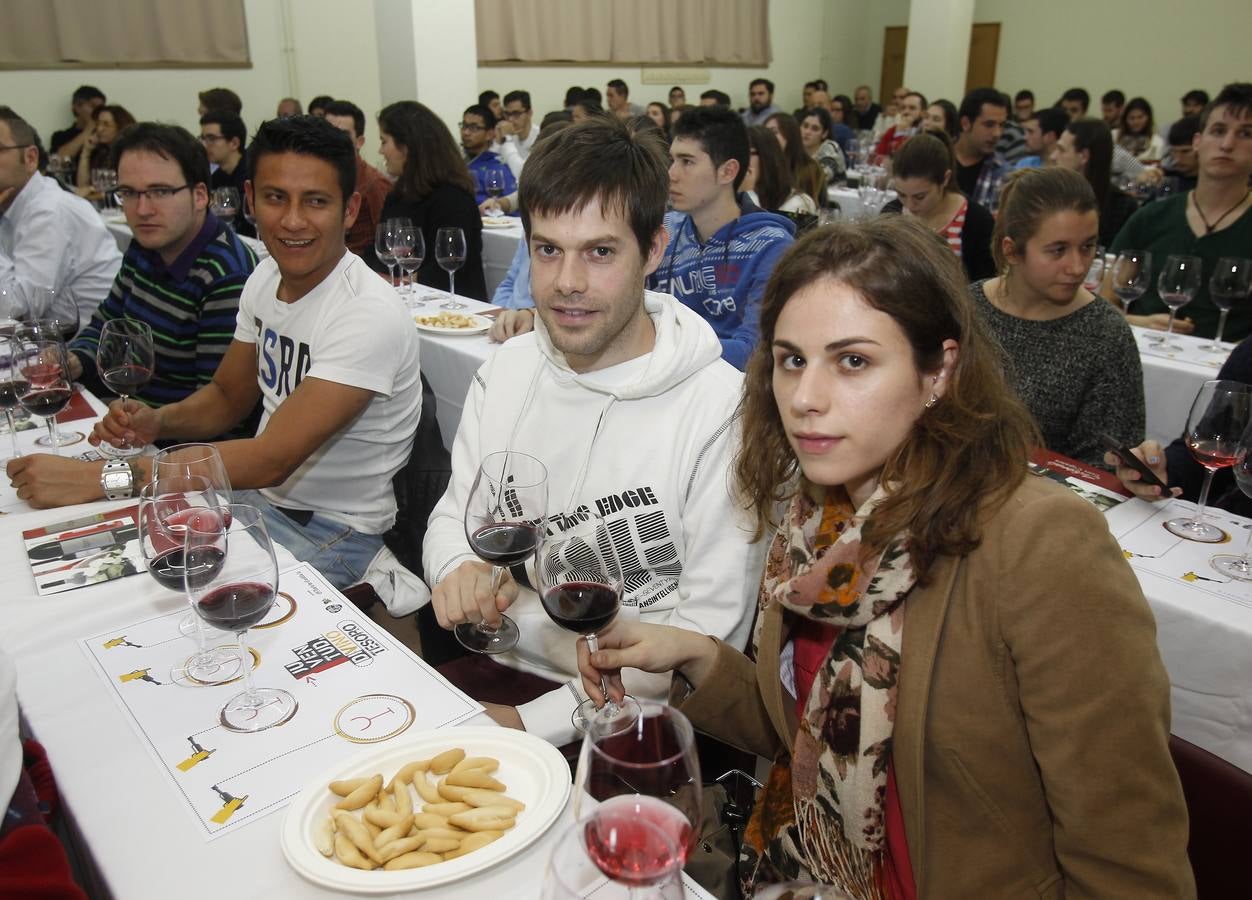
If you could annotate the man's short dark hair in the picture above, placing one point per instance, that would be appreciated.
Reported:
(485, 98)
(23, 132)
(620, 86)
(1183, 131)
(820, 84)
(522, 97)
(975, 100)
(599, 159)
(483, 112)
(593, 93)
(1237, 96)
(348, 108)
(231, 125)
(321, 101)
(221, 98)
(1114, 98)
(769, 85)
(1024, 95)
(308, 136)
(808, 86)
(1078, 95)
(719, 97)
(1052, 120)
(573, 95)
(168, 142)
(920, 96)
(1196, 97)
(557, 115)
(720, 133)
(88, 92)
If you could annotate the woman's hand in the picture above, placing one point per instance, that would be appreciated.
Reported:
(1150, 453)
(650, 648)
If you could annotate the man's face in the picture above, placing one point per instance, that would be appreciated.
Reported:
(1034, 136)
(168, 225)
(694, 182)
(16, 165)
(807, 102)
(217, 147)
(911, 110)
(475, 135)
(861, 99)
(898, 95)
(616, 99)
(1024, 109)
(1066, 155)
(1192, 108)
(1073, 109)
(1112, 113)
(519, 117)
(586, 275)
(1224, 147)
(288, 108)
(677, 97)
(820, 98)
(83, 109)
(759, 97)
(983, 133)
(301, 215)
(348, 124)
(1186, 161)
(708, 101)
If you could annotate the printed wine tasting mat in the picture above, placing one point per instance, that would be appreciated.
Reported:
(353, 684)
(1150, 547)
(87, 550)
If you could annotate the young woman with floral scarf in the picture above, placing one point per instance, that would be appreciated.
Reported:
(953, 667)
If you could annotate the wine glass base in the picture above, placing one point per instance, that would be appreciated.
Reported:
(64, 439)
(265, 708)
(1191, 530)
(218, 665)
(452, 304)
(488, 640)
(1236, 567)
(612, 717)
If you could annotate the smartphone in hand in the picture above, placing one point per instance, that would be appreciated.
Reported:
(1129, 460)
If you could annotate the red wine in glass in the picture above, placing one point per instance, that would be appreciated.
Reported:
(232, 607)
(10, 391)
(126, 380)
(633, 839)
(585, 607)
(505, 543)
(170, 572)
(46, 403)
(1214, 454)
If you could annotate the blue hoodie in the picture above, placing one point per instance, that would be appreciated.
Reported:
(724, 278)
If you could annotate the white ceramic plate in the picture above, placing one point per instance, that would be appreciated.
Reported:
(534, 771)
(481, 324)
(500, 222)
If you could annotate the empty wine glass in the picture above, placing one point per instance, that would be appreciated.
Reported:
(450, 254)
(1095, 272)
(1231, 281)
(580, 585)
(636, 856)
(401, 241)
(1132, 276)
(1177, 286)
(224, 203)
(504, 517)
(124, 359)
(46, 387)
(108, 184)
(382, 246)
(231, 575)
(412, 261)
(12, 383)
(1239, 567)
(1220, 415)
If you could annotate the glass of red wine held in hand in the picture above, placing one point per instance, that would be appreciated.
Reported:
(234, 598)
(636, 856)
(504, 518)
(12, 383)
(124, 359)
(450, 254)
(46, 386)
(1220, 415)
(580, 586)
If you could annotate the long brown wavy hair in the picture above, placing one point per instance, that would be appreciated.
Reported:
(965, 455)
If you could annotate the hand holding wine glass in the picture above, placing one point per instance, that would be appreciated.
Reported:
(1231, 282)
(450, 254)
(1132, 276)
(1220, 415)
(46, 388)
(1177, 286)
(124, 359)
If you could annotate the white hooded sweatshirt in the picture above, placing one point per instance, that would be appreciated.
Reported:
(648, 444)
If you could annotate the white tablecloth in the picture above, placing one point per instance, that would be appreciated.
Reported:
(850, 201)
(1172, 378)
(499, 245)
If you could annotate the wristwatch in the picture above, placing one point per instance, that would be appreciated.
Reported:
(118, 479)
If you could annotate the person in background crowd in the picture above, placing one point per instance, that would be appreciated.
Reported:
(806, 95)
(608, 363)
(1210, 222)
(220, 98)
(433, 189)
(1023, 105)
(926, 190)
(659, 113)
(317, 106)
(478, 134)
(890, 623)
(1086, 147)
(715, 98)
(1111, 106)
(760, 102)
(807, 175)
(618, 96)
(1181, 165)
(768, 182)
(722, 248)
(1043, 130)
(371, 184)
(979, 169)
(941, 116)
(40, 222)
(1137, 134)
(106, 122)
(516, 132)
(1075, 102)
(586, 107)
(911, 108)
(675, 113)
(842, 121)
(491, 100)
(867, 110)
(1012, 143)
(1193, 103)
(815, 126)
(288, 107)
(573, 94)
(1072, 358)
(69, 142)
(677, 96)
(225, 137)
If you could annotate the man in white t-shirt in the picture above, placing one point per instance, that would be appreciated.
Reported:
(323, 342)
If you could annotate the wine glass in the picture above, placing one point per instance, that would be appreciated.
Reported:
(108, 184)
(1095, 272)
(1177, 285)
(450, 254)
(631, 852)
(493, 182)
(382, 246)
(224, 203)
(232, 579)
(412, 261)
(12, 383)
(580, 585)
(124, 359)
(166, 505)
(646, 766)
(46, 387)
(400, 243)
(1219, 417)
(1132, 276)
(1231, 281)
(504, 518)
(1239, 567)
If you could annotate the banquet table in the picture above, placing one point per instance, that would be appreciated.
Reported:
(849, 200)
(1172, 376)
(499, 244)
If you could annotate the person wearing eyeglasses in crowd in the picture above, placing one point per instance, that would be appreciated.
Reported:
(478, 133)
(225, 138)
(516, 132)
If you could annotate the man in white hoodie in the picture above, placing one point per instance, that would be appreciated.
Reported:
(623, 395)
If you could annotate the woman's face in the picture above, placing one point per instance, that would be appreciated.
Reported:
(754, 168)
(772, 125)
(847, 389)
(920, 196)
(1056, 259)
(837, 111)
(678, 97)
(812, 133)
(1137, 121)
(106, 128)
(393, 154)
(935, 119)
(657, 115)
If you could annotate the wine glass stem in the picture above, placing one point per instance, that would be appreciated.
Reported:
(53, 437)
(391, 269)
(1173, 311)
(497, 575)
(452, 282)
(245, 662)
(1221, 327)
(1204, 498)
(1246, 560)
(593, 644)
(13, 431)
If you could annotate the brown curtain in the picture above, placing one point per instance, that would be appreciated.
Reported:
(728, 32)
(123, 34)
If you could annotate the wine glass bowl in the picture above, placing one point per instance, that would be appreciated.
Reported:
(1177, 286)
(409, 250)
(493, 184)
(1131, 276)
(450, 254)
(125, 360)
(12, 384)
(1220, 415)
(1231, 281)
(627, 850)
(46, 388)
(224, 203)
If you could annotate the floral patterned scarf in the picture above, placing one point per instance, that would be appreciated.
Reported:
(821, 815)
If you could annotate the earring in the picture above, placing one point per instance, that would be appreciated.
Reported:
(934, 398)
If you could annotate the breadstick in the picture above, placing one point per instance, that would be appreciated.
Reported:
(408, 772)
(344, 788)
(348, 854)
(440, 845)
(324, 837)
(487, 818)
(356, 832)
(403, 799)
(474, 842)
(482, 763)
(362, 795)
(476, 797)
(400, 847)
(443, 763)
(413, 860)
(428, 792)
(445, 809)
(429, 820)
(395, 832)
(475, 778)
(382, 818)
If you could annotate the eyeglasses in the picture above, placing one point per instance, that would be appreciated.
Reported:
(515, 113)
(126, 196)
(471, 126)
(15, 146)
(211, 138)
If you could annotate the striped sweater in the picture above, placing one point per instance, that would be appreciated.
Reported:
(190, 305)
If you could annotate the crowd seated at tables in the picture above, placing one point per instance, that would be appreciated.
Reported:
(844, 417)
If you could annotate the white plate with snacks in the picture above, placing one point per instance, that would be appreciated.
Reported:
(532, 770)
(447, 322)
